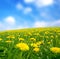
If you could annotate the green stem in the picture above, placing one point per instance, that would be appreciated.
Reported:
(28, 55)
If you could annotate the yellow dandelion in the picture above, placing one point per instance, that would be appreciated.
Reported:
(56, 36)
(46, 32)
(36, 34)
(30, 33)
(32, 39)
(39, 43)
(10, 37)
(34, 45)
(13, 37)
(55, 49)
(47, 36)
(22, 46)
(0, 39)
(36, 49)
(58, 33)
(48, 42)
(8, 41)
(52, 36)
(21, 39)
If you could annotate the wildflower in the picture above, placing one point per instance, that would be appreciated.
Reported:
(48, 42)
(58, 33)
(0, 39)
(55, 49)
(56, 36)
(32, 39)
(47, 36)
(52, 36)
(22, 46)
(21, 39)
(10, 37)
(8, 41)
(34, 45)
(40, 43)
(36, 49)
(37, 34)
(46, 32)
(13, 37)
(29, 33)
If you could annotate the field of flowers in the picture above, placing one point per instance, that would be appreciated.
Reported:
(35, 43)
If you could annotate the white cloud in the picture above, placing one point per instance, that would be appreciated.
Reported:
(21, 27)
(46, 24)
(8, 23)
(9, 28)
(37, 23)
(41, 3)
(19, 6)
(28, 1)
(27, 10)
(9, 20)
(55, 23)
(40, 24)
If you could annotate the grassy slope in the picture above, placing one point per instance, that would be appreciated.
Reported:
(29, 29)
(44, 49)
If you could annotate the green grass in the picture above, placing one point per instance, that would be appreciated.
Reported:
(49, 36)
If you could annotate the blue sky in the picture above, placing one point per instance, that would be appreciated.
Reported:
(17, 14)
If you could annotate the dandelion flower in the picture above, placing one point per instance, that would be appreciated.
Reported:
(52, 36)
(11, 37)
(36, 49)
(34, 45)
(55, 49)
(22, 46)
(0, 39)
(21, 39)
(32, 39)
(8, 41)
(48, 42)
(40, 42)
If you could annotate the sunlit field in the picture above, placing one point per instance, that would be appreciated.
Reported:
(34, 43)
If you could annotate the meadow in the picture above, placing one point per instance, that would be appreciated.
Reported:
(34, 43)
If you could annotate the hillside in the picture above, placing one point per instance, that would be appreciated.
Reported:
(31, 43)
